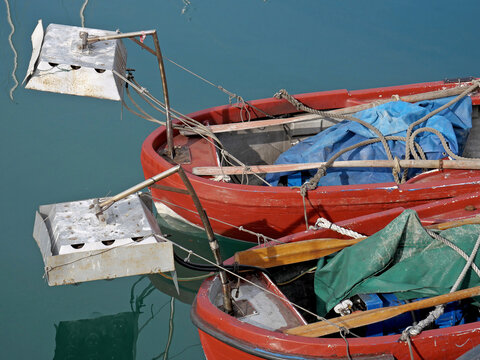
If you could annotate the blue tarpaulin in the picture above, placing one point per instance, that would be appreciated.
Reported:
(392, 119)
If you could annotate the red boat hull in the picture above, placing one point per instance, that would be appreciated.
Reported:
(225, 337)
(278, 211)
(243, 341)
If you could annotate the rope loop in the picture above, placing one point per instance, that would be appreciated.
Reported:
(326, 224)
(303, 190)
(279, 94)
(396, 167)
(187, 259)
(303, 193)
(343, 331)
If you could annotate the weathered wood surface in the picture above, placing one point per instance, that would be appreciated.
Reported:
(362, 318)
(259, 169)
(284, 254)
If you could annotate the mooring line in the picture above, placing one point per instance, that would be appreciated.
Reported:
(82, 9)
(15, 55)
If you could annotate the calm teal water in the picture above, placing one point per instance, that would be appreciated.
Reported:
(57, 148)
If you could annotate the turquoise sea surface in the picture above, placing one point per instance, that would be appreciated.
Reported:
(56, 148)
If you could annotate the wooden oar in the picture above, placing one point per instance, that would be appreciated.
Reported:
(347, 110)
(292, 253)
(258, 169)
(299, 251)
(455, 223)
(362, 318)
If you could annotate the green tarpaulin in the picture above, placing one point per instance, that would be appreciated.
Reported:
(402, 259)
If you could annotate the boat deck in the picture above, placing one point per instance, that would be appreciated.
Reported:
(262, 146)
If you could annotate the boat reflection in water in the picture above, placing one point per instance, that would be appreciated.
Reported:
(191, 237)
(109, 336)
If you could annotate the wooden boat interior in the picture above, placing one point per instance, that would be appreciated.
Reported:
(295, 284)
(256, 307)
(263, 145)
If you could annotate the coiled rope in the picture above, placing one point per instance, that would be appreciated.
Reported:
(283, 94)
(431, 114)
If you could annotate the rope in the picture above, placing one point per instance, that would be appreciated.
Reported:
(189, 123)
(15, 55)
(231, 95)
(454, 247)
(82, 10)
(324, 223)
(303, 193)
(428, 116)
(438, 311)
(343, 332)
(286, 282)
(312, 183)
(187, 279)
(283, 94)
(443, 141)
(410, 146)
(410, 348)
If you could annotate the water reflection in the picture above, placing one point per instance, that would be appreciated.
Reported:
(110, 336)
(194, 239)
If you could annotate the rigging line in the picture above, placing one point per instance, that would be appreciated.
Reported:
(144, 94)
(15, 55)
(343, 334)
(185, 120)
(309, 271)
(230, 94)
(192, 124)
(318, 317)
(82, 9)
(145, 115)
(187, 279)
(240, 228)
(186, 6)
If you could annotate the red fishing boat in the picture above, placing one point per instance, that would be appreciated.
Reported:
(265, 324)
(239, 200)
(259, 138)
